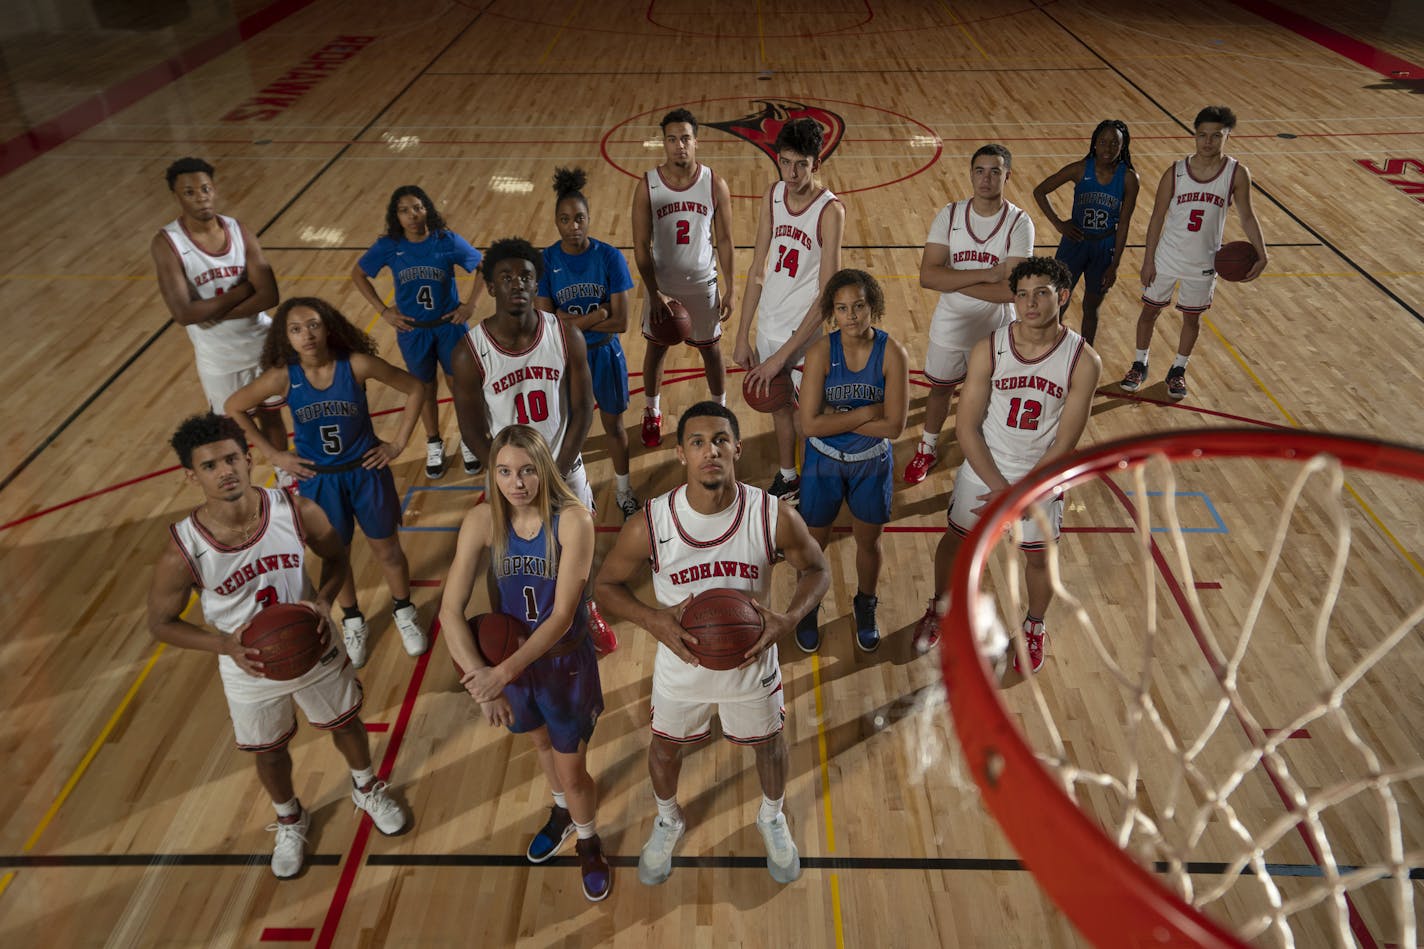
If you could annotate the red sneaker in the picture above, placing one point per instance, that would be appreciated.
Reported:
(920, 465)
(652, 429)
(604, 640)
(927, 629)
(1033, 634)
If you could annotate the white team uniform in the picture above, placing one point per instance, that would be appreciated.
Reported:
(1026, 399)
(975, 243)
(227, 354)
(691, 553)
(1191, 236)
(527, 388)
(683, 257)
(233, 584)
(792, 282)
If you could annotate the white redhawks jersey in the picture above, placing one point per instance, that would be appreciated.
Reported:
(234, 583)
(231, 345)
(975, 243)
(793, 267)
(525, 388)
(691, 553)
(682, 231)
(1196, 219)
(1026, 400)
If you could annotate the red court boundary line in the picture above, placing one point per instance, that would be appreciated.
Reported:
(47, 136)
(801, 35)
(1371, 57)
(286, 934)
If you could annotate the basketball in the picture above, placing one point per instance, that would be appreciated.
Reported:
(778, 394)
(726, 625)
(1235, 260)
(288, 635)
(674, 327)
(497, 636)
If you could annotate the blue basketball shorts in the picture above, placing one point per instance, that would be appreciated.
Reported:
(359, 496)
(424, 346)
(609, 368)
(562, 693)
(1089, 260)
(866, 486)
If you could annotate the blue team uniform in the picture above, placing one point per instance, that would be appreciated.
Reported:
(857, 469)
(333, 431)
(1096, 209)
(560, 689)
(578, 283)
(424, 275)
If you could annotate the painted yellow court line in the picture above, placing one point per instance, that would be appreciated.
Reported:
(761, 37)
(1364, 506)
(826, 797)
(559, 32)
(962, 28)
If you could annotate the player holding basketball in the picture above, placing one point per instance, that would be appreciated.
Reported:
(678, 208)
(320, 364)
(217, 284)
(803, 221)
(422, 254)
(714, 532)
(243, 548)
(1105, 189)
(538, 541)
(523, 366)
(972, 246)
(1188, 220)
(1025, 403)
(585, 282)
(854, 400)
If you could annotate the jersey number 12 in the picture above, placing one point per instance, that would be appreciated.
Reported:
(1024, 413)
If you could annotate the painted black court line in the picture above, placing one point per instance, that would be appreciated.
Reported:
(629, 248)
(783, 72)
(158, 860)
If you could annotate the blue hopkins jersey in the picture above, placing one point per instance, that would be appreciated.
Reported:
(423, 271)
(525, 582)
(1096, 205)
(333, 425)
(578, 283)
(845, 390)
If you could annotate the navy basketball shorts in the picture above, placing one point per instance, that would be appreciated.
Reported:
(866, 486)
(562, 693)
(359, 496)
(1089, 260)
(425, 346)
(609, 369)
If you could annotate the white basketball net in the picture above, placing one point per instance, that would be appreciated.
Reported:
(1287, 840)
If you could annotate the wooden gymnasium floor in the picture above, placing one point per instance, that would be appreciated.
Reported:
(127, 818)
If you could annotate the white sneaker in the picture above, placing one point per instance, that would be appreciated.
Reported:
(408, 622)
(471, 460)
(628, 503)
(353, 631)
(434, 459)
(385, 813)
(783, 860)
(655, 862)
(290, 850)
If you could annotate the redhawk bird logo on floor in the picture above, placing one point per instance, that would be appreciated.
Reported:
(761, 126)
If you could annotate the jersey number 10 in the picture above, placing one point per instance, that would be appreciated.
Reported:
(538, 407)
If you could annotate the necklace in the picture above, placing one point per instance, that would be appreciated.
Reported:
(240, 529)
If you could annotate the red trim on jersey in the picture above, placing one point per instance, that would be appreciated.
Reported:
(291, 503)
(712, 188)
(1193, 309)
(1073, 363)
(266, 519)
(1062, 335)
(692, 541)
(522, 352)
(693, 739)
(470, 342)
(563, 335)
(768, 531)
(652, 534)
(1009, 237)
(1187, 164)
(1231, 190)
(187, 557)
(691, 185)
(698, 343)
(227, 238)
(969, 222)
(786, 203)
(172, 246)
(347, 715)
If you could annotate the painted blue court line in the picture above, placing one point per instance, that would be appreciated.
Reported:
(410, 493)
(1220, 527)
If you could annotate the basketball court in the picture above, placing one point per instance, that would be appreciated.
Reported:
(131, 820)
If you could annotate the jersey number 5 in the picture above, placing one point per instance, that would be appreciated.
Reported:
(330, 439)
(1194, 220)
(788, 259)
(1024, 413)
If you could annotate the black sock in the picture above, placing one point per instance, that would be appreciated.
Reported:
(430, 439)
(400, 603)
(351, 612)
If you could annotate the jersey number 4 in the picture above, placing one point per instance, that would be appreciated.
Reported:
(425, 298)
(1024, 413)
(788, 259)
(538, 407)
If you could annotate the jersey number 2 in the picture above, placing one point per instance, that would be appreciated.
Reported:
(538, 409)
(684, 232)
(788, 259)
(267, 596)
(1024, 413)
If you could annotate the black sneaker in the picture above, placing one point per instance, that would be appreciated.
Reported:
(1177, 383)
(551, 836)
(867, 630)
(434, 458)
(1134, 378)
(471, 460)
(788, 490)
(808, 631)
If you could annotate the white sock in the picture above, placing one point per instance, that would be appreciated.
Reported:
(1180, 362)
(290, 809)
(625, 483)
(559, 800)
(788, 473)
(1140, 356)
(363, 778)
(929, 441)
(653, 402)
(770, 808)
(720, 399)
(668, 811)
(585, 831)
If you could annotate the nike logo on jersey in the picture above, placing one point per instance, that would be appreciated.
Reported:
(664, 540)
(296, 385)
(558, 270)
(835, 365)
(400, 253)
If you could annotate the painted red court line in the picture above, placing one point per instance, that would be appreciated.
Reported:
(356, 855)
(1371, 57)
(84, 497)
(378, 726)
(425, 583)
(47, 136)
(1207, 585)
(1298, 733)
(279, 934)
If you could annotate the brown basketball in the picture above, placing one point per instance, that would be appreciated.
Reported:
(497, 636)
(726, 625)
(779, 393)
(670, 325)
(289, 637)
(1235, 260)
